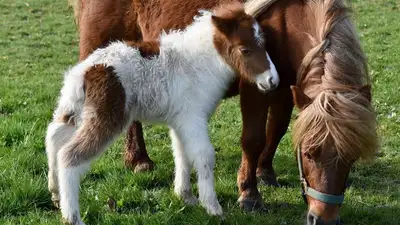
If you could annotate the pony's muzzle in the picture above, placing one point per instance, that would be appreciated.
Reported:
(313, 219)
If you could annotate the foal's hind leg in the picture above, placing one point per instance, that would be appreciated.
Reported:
(182, 186)
(74, 160)
(200, 152)
(58, 134)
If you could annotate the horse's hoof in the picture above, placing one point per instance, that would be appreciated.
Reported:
(144, 167)
(252, 204)
(268, 178)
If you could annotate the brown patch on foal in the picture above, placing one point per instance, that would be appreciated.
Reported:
(67, 119)
(147, 49)
(104, 115)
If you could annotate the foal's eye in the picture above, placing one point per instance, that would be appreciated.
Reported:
(245, 51)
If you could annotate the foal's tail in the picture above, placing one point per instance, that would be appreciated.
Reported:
(92, 105)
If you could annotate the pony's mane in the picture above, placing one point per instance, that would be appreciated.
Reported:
(256, 7)
(332, 74)
(76, 6)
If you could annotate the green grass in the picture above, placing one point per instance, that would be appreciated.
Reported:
(38, 42)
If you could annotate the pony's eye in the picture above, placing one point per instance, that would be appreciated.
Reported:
(245, 51)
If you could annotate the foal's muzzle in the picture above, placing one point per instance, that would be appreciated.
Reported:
(269, 79)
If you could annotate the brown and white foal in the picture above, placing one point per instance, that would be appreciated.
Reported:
(178, 81)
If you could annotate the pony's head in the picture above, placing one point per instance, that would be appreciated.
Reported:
(336, 125)
(239, 40)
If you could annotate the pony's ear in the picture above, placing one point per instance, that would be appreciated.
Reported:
(366, 92)
(224, 25)
(300, 100)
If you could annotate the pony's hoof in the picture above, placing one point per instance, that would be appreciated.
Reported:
(252, 204)
(268, 178)
(144, 167)
(56, 200)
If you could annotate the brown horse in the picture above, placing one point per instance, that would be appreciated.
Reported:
(323, 71)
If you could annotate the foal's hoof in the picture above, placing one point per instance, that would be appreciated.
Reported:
(191, 200)
(56, 200)
(143, 166)
(214, 209)
(268, 178)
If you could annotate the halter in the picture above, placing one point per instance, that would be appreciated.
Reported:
(306, 190)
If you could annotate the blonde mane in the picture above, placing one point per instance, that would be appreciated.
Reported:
(76, 6)
(332, 74)
(255, 7)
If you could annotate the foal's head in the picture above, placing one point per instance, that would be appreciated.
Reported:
(240, 41)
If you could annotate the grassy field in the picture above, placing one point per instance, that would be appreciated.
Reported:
(38, 42)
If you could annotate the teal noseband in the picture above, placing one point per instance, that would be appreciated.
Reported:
(306, 190)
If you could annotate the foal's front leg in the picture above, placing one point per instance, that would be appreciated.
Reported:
(199, 151)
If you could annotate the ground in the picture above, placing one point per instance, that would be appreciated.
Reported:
(38, 41)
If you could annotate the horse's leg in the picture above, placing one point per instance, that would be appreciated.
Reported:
(278, 122)
(98, 29)
(199, 151)
(254, 109)
(58, 134)
(182, 186)
(136, 156)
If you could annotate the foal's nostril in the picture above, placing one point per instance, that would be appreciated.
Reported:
(270, 82)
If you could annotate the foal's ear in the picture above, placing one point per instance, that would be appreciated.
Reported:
(366, 91)
(224, 25)
(300, 100)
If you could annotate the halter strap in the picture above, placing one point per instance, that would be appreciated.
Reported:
(306, 190)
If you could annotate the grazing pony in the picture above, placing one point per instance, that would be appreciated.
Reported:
(315, 48)
(178, 81)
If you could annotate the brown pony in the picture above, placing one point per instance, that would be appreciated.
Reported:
(322, 69)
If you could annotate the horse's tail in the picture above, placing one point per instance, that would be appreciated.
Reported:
(76, 5)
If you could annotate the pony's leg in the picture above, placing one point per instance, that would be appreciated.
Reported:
(90, 140)
(58, 134)
(200, 152)
(136, 156)
(278, 122)
(254, 109)
(182, 186)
